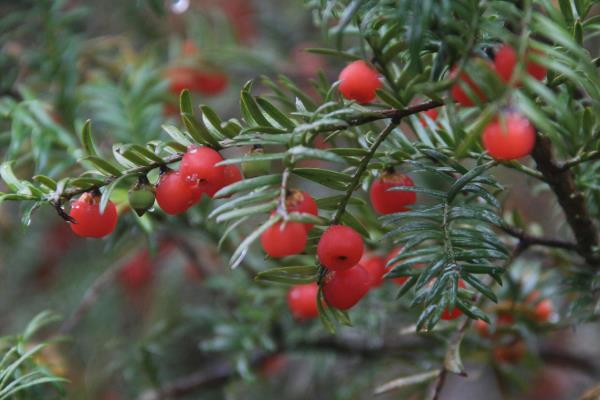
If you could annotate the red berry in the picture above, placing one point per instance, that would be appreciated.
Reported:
(375, 266)
(482, 327)
(343, 289)
(431, 113)
(386, 201)
(89, 221)
(301, 202)
(180, 78)
(339, 248)
(509, 138)
(302, 301)
(544, 310)
(284, 239)
(175, 194)
(137, 272)
(510, 353)
(210, 83)
(198, 163)
(459, 94)
(232, 175)
(505, 61)
(504, 319)
(358, 81)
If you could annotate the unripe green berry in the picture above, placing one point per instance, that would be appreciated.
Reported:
(141, 196)
(255, 168)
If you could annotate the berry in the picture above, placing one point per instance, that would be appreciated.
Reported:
(175, 194)
(301, 202)
(302, 301)
(141, 196)
(375, 266)
(198, 164)
(510, 353)
(358, 81)
(180, 78)
(137, 272)
(387, 201)
(505, 61)
(509, 138)
(343, 289)
(256, 168)
(458, 92)
(543, 310)
(232, 175)
(431, 113)
(209, 83)
(339, 248)
(482, 327)
(89, 221)
(448, 315)
(284, 239)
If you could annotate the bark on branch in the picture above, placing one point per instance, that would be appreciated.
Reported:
(570, 199)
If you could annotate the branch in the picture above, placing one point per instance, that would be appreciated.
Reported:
(590, 156)
(570, 199)
(528, 240)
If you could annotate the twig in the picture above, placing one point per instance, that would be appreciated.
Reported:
(570, 199)
(90, 297)
(528, 240)
(590, 156)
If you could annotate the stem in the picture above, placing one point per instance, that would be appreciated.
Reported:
(528, 240)
(356, 178)
(571, 200)
(590, 156)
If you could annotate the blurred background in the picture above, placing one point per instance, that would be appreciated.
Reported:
(153, 311)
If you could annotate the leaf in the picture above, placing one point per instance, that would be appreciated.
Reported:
(106, 167)
(108, 191)
(466, 178)
(87, 140)
(250, 108)
(247, 211)
(332, 179)
(275, 114)
(289, 275)
(249, 184)
(240, 253)
(177, 135)
(302, 152)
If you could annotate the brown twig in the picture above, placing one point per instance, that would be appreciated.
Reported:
(570, 199)
(528, 240)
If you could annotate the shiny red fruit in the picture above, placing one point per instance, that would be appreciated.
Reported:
(358, 81)
(432, 114)
(509, 138)
(301, 202)
(210, 83)
(448, 315)
(343, 289)
(89, 221)
(482, 327)
(339, 248)
(181, 78)
(386, 201)
(375, 266)
(284, 239)
(137, 272)
(175, 193)
(544, 310)
(302, 301)
(460, 95)
(199, 164)
(232, 175)
(505, 61)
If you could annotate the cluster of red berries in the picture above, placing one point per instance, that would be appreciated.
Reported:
(176, 191)
(508, 346)
(509, 136)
